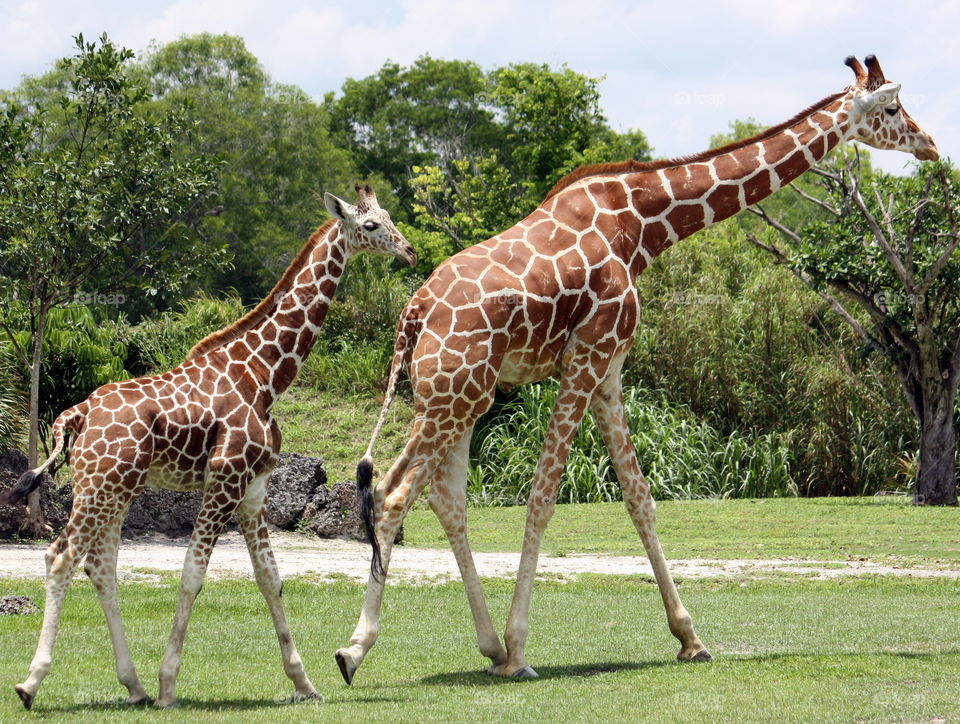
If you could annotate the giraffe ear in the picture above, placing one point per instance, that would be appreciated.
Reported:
(885, 95)
(338, 208)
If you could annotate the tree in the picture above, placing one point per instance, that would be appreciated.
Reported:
(890, 249)
(94, 201)
(431, 113)
(545, 123)
(278, 155)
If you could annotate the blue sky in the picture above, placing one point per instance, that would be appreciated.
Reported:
(679, 71)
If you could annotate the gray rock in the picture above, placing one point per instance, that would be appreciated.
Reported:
(55, 500)
(17, 606)
(171, 512)
(292, 485)
(335, 513)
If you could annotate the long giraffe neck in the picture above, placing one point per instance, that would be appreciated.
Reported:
(278, 345)
(646, 208)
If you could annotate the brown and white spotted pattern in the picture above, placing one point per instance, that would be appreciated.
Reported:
(555, 295)
(205, 425)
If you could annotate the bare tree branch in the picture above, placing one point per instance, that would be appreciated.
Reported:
(758, 210)
(814, 200)
(21, 354)
(880, 237)
(828, 298)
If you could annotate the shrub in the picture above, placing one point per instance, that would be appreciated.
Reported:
(159, 344)
(681, 457)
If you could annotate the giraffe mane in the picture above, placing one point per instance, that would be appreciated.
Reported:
(607, 169)
(243, 325)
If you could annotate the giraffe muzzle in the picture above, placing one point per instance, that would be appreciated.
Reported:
(928, 151)
(409, 255)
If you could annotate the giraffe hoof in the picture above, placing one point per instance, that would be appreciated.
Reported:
(309, 696)
(526, 672)
(346, 667)
(700, 656)
(140, 701)
(25, 696)
(172, 704)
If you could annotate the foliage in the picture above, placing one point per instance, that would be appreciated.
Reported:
(681, 457)
(159, 344)
(80, 353)
(752, 351)
(13, 404)
(94, 196)
(429, 113)
(93, 199)
(353, 353)
(891, 253)
(471, 153)
(276, 149)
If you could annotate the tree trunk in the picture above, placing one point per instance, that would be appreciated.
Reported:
(34, 525)
(937, 467)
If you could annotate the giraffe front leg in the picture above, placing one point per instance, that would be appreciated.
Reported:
(567, 413)
(250, 514)
(611, 419)
(211, 520)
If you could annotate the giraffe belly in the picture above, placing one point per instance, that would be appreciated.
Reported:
(170, 474)
(521, 367)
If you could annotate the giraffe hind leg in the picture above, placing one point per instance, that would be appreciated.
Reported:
(61, 561)
(250, 515)
(608, 410)
(101, 567)
(448, 498)
(407, 477)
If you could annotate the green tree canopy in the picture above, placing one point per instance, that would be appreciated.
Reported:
(95, 198)
(278, 156)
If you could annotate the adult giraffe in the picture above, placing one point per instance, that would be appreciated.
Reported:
(554, 295)
(204, 425)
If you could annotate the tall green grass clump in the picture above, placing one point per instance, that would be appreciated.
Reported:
(161, 343)
(682, 457)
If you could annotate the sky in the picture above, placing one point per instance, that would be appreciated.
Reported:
(679, 71)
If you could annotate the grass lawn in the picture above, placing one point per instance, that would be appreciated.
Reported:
(881, 529)
(800, 651)
(327, 425)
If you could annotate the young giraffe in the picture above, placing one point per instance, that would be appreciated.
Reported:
(207, 425)
(555, 295)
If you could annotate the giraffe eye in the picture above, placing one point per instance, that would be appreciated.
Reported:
(892, 111)
(371, 225)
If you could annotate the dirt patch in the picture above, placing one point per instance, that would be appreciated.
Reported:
(338, 559)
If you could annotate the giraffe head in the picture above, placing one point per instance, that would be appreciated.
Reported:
(878, 119)
(368, 227)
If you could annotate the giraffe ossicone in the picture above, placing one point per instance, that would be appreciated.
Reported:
(554, 295)
(204, 425)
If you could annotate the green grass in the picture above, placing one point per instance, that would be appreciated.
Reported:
(852, 650)
(338, 428)
(882, 529)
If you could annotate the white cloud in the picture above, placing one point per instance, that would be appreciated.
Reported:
(679, 72)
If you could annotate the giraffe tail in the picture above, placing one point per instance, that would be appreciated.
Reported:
(71, 419)
(402, 352)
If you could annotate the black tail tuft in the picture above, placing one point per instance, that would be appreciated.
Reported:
(365, 497)
(26, 484)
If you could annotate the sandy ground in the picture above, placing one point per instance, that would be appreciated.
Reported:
(142, 558)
